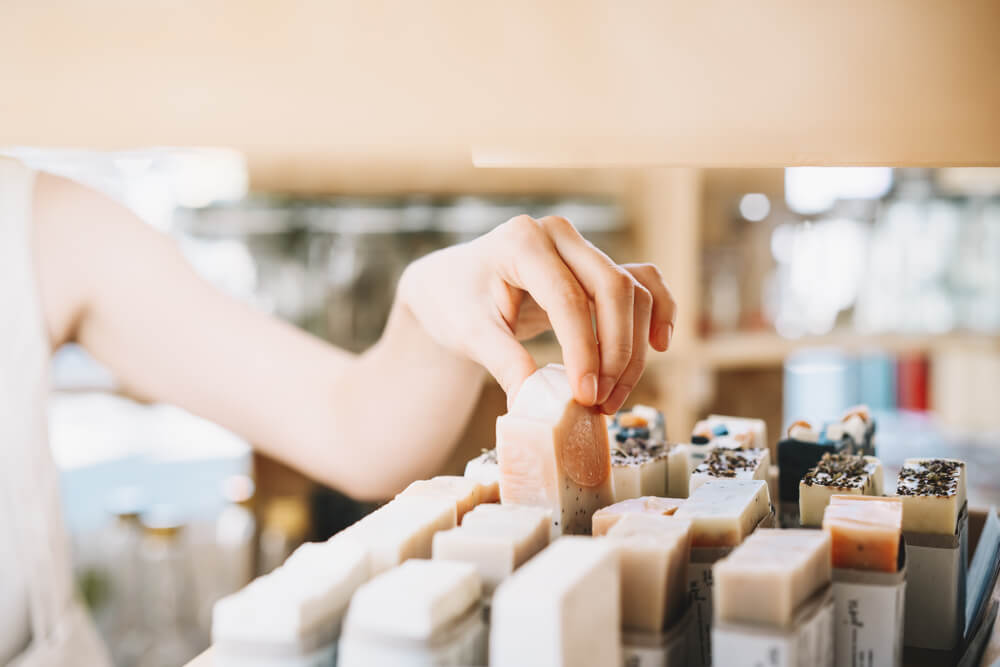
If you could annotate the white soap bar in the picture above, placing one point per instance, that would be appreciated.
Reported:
(638, 473)
(803, 432)
(654, 556)
(874, 468)
(496, 542)
(679, 469)
(299, 602)
(834, 474)
(485, 470)
(561, 609)
(554, 453)
(466, 492)
(732, 464)
(724, 511)
(933, 493)
(606, 517)
(402, 529)
(765, 580)
(414, 601)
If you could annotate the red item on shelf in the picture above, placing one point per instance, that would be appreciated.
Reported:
(911, 382)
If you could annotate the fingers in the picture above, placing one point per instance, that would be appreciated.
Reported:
(535, 266)
(612, 291)
(496, 349)
(637, 364)
(661, 328)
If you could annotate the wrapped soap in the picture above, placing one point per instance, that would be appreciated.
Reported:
(869, 579)
(424, 612)
(554, 452)
(293, 615)
(606, 517)
(561, 609)
(485, 470)
(935, 530)
(835, 474)
(732, 464)
(773, 601)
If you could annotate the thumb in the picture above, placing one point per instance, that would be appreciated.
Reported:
(505, 359)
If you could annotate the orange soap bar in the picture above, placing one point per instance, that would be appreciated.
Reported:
(605, 518)
(864, 531)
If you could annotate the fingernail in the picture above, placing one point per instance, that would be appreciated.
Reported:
(604, 388)
(588, 388)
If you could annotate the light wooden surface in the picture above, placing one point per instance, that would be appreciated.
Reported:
(597, 82)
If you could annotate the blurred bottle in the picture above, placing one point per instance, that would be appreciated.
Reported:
(169, 603)
(286, 524)
(127, 638)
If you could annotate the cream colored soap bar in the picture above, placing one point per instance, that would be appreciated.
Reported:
(554, 453)
(300, 602)
(732, 464)
(466, 492)
(496, 542)
(639, 473)
(679, 469)
(485, 470)
(561, 609)
(724, 511)
(933, 493)
(654, 556)
(402, 529)
(606, 517)
(765, 580)
(834, 474)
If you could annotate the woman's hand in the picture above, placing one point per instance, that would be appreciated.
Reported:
(481, 298)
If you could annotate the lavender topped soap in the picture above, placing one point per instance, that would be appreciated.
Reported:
(639, 468)
(834, 474)
(933, 493)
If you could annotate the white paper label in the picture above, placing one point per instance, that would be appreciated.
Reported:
(868, 624)
(700, 598)
(811, 643)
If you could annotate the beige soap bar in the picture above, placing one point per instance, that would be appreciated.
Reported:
(679, 469)
(834, 474)
(606, 517)
(724, 511)
(496, 542)
(402, 529)
(933, 493)
(414, 601)
(765, 580)
(561, 609)
(466, 492)
(638, 473)
(554, 453)
(485, 470)
(732, 464)
(654, 556)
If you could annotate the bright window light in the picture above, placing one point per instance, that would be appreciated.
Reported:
(811, 190)
(755, 206)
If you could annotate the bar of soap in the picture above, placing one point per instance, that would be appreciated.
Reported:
(864, 532)
(639, 470)
(732, 464)
(496, 542)
(402, 529)
(874, 468)
(654, 556)
(485, 470)
(740, 431)
(561, 609)
(606, 517)
(414, 601)
(724, 511)
(466, 492)
(300, 602)
(765, 580)
(933, 493)
(641, 421)
(679, 469)
(834, 474)
(554, 453)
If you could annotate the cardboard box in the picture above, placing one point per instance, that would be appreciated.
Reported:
(808, 642)
(935, 588)
(700, 597)
(666, 649)
(868, 609)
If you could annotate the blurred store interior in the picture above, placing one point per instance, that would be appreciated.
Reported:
(802, 291)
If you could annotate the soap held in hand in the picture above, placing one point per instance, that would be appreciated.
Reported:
(554, 453)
